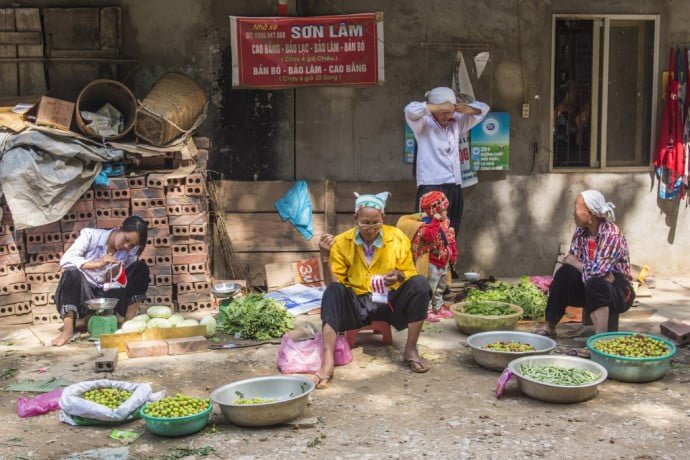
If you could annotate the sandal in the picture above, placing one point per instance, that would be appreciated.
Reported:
(580, 353)
(432, 317)
(419, 366)
(444, 312)
(323, 382)
(545, 332)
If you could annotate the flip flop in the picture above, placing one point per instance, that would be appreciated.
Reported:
(432, 317)
(580, 353)
(544, 332)
(323, 382)
(418, 366)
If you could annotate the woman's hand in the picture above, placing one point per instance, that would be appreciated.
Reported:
(571, 259)
(461, 107)
(610, 278)
(107, 259)
(325, 244)
(392, 277)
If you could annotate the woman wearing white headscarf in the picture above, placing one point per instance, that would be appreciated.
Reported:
(441, 126)
(596, 272)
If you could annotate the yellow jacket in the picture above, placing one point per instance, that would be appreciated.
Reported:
(349, 265)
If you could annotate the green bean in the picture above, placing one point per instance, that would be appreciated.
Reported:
(566, 376)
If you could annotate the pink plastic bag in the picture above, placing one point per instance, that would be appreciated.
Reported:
(40, 404)
(342, 354)
(300, 357)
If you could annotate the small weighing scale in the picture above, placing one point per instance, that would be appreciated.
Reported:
(225, 291)
(103, 321)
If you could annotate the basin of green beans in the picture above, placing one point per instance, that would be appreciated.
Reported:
(558, 375)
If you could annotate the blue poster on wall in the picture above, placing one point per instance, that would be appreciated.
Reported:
(490, 143)
(410, 145)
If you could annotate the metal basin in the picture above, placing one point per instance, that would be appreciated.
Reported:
(498, 360)
(550, 392)
(225, 289)
(102, 304)
(289, 395)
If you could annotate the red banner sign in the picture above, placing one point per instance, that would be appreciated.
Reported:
(307, 51)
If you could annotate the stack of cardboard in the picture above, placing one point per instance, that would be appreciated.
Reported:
(176, 210)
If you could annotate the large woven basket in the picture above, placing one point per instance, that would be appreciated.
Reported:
(174, 106)
(96, 94)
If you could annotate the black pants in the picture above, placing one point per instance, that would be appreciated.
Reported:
(454, 194)
(343, 310)
(567, 289)
(73, 290)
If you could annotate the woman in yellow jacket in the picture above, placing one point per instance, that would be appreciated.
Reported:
(371, 252)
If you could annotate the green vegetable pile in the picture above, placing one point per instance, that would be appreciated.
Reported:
(111, 398)
(524, 294)
(632, 346)
(513, 347)
(565, 376)
(487, 309)
(176, 406)
(255, 317)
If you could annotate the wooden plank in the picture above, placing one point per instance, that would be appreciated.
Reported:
(266, 232)
(20, 38)
(72, 28)
(32, 79)
(402, 199)
(254, 263)
(248, 196)
(96, 54)
(8, 71)
(111, 27)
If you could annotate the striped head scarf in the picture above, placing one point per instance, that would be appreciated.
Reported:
(377, 201)
(597, 205)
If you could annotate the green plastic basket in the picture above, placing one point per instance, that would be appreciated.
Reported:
(84, 421)
(628, 369)
(177, 426)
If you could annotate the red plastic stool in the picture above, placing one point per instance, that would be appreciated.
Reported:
(377, 327)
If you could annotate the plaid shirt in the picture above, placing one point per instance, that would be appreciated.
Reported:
(605, 252)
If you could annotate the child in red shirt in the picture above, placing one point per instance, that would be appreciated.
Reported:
(437, 238)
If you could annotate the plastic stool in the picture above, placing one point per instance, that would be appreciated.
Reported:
(377, 327)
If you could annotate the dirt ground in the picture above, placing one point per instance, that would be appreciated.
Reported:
(375, 408)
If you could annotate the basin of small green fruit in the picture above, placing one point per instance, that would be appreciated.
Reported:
(632, 356)
(176, 415)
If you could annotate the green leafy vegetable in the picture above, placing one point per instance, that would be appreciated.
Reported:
(487, 308)
(254, 317)
(524, 294)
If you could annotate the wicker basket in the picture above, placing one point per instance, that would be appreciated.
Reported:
(174, 106)
(96, 94)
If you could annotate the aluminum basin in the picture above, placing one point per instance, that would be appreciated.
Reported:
(498, 360)
(224, 289)
(101, 304)
(289, 393)
(550, 392)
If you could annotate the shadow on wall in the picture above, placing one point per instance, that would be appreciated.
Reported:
(669, 208)
(516, 225)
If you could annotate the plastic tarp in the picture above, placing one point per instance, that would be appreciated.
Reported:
(42, 175)
(295, 207)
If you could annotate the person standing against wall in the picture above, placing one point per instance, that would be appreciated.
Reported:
(439, 124)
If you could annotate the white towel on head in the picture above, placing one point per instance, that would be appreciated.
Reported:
(440, 95)
(597, 205)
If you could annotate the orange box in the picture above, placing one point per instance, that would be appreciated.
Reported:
(55, 113)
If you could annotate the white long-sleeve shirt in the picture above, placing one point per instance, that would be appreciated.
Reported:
(91, 245)
(438, 154)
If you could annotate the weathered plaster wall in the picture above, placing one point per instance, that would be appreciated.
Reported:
(513, 222)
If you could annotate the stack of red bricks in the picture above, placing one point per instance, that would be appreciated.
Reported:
(176, 252)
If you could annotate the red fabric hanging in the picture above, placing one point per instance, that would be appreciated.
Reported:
(669, 153)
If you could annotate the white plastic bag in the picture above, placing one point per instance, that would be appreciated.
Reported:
(72, 403)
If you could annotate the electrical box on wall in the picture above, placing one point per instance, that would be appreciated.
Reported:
(525, 110)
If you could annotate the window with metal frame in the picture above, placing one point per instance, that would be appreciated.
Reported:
(604, 82)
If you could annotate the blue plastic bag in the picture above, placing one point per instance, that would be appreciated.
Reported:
(295, 207)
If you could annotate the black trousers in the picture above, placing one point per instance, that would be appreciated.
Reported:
(344, 310)
(567, 289)
(456, 204)
(73, 290)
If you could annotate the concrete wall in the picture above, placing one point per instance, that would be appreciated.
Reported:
(513, 222)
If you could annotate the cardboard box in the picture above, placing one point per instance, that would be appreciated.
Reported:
(55, 113)
(309, 272)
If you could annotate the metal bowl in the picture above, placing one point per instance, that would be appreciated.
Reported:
(471, 276)
(498, 360)
(225, 289)
(101, 304)
(634, 370)
(550, 392)
(289, 395)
